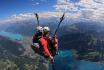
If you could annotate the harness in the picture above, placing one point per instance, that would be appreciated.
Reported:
(38, 49)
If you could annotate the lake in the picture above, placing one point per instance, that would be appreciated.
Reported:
(11, 36)
(65, 61)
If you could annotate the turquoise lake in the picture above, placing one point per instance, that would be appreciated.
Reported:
(11, 36)
(65, 61)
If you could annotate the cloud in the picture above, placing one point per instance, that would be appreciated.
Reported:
(88, 9)
(71, 6)
(37, 3)
(82, 9)
(99, 1)
(84, 15)
(65, 5)
(42, 15)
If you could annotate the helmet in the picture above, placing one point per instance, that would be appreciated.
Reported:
(39, 29)
(46, 29)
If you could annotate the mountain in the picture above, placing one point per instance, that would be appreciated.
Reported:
(81, 31)
(85, 37)
(13, 57)
(10, 46)
(26, 25)
(73, 32)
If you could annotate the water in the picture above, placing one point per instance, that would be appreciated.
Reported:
(11, 36)
(66, 61)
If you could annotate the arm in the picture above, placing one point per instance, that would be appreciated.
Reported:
(44, 43)
(55, 41)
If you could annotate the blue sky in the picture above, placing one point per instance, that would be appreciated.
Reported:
(10, 7)
(89, 9)
(93, 8)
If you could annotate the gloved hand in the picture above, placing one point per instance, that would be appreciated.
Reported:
(55, 39)
(55, 36)
(51, 58)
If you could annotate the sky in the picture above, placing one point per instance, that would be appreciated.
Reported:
(9, 7)
(83, 8)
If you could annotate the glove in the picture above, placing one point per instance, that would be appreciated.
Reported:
(51, 58)
(55, 36)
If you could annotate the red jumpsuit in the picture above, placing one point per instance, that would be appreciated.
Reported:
(44, 45)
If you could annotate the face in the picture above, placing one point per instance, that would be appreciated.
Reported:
(46, 33)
